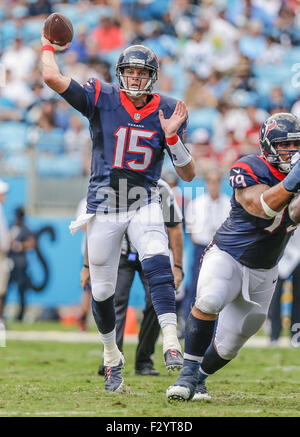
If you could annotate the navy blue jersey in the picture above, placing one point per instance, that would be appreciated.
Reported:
(254, 242)
(128, 144)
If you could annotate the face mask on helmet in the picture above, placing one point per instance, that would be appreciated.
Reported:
(137, 57)
(285, 150)
(124, 80)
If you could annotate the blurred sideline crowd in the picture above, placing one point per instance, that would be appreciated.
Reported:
(233, 62)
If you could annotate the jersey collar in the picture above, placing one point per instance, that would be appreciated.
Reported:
(138, 114)
(278, 174)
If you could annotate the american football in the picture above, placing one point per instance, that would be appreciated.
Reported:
(58, 29)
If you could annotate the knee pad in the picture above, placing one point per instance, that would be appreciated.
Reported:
(102, 290)
(160, 278)
(209, 303)
(230, 347)
(218, 283)
(152, 245)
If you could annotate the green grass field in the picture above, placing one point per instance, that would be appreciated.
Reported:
(60, 379)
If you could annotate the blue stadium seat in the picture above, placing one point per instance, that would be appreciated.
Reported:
(17, 162)
(276, 74)
(32, 29)
(268, 76)
(292, 56)
(90, 17)
(52, 141)
(202, 118)
(6, 103)
(63, 166)
(13, 136)
(158, 8)
(8, 32)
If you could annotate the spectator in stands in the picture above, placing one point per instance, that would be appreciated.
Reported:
(101, 69)
(198, 54)
(19, 59)
(46, 120)
(79, 44)
(284, 25)
(232, 150)
(77, 136)
(4, 248)
(79, 71)
(224, 37)
(40, 9)
(256, 117)
(273, 54)
(17, 91)
(202, 150)
(182, 14)
(276, 100)
(108, 35)
(196, 94)
(241, 77)
(253, 43)
(216, 85)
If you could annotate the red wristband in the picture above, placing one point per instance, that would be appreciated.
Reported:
(172, 140)
(48, 47)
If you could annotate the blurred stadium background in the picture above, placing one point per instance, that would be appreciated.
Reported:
(232, 61)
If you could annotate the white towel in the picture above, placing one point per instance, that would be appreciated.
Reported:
(81, 221)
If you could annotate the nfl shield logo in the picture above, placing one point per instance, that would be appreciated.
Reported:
(137, 116)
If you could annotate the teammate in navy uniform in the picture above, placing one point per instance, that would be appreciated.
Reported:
(130, 128)
(239, 268)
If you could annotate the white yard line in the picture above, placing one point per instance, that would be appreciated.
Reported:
(89, 337)
(64, 337)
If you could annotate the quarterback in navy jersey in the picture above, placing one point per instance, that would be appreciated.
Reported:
(131, 127)
(239, 272)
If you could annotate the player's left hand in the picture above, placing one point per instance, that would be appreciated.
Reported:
(171, 125)
(177, 273)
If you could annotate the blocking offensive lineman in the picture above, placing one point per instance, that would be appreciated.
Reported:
(239, 269)
(129, 132)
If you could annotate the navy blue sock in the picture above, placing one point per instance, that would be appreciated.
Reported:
(198, 336)
(212, 361)
(104, 314)
(158, 272)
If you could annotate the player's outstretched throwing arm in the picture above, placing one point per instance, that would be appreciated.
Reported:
(266, 202)
(51, 74)
(183, 162)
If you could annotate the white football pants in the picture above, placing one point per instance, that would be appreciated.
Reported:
(146, 231)
(240, 295)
